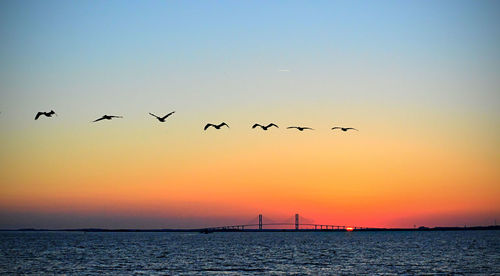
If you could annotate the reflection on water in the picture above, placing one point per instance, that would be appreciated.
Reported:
(249, 253)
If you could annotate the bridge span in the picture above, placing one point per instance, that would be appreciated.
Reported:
(290, 226)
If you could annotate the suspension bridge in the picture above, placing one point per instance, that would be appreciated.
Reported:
(295, 224)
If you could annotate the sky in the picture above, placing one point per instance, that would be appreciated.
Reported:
(419, 79)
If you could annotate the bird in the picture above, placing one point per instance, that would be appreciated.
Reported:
(264, 127)
(162, 119)
(300, 128)
(107, 117)
(47, 114)
(215, 126)
(344, 128)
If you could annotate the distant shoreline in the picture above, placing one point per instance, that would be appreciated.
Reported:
(209, 230)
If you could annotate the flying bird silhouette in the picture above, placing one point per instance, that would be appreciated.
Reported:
(107, 117)
(300, 128)
(47, 114)
(162, 119)
(344, 128)
(215, 126)
(264, 127)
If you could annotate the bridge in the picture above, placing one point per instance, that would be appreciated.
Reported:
(286, 226)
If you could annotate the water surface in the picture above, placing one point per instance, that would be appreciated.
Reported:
(325, 253)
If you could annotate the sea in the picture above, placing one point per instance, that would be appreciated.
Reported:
(250, 253)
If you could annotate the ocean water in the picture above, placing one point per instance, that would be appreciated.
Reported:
(299, 253)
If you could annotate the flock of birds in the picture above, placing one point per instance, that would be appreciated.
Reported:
(163, 119)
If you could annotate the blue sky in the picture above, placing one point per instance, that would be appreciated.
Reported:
(86, 52)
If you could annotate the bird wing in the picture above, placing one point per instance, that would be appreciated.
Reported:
(154, 115)
(307, 128)
(272, 124)
(351, 128)
(223, 124)
(112, 116)
(256, 125)
(207, 126)
(336, 127)
(293, 127)
(102, 118)
(38, 115)
(166, 116)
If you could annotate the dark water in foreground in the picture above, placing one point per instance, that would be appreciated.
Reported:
(452, 252)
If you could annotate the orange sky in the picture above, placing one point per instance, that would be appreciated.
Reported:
(396, 172)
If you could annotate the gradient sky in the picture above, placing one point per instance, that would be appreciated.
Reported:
(420, 79)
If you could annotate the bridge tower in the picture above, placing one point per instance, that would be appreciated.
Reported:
(260, 221)
(296, 221)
